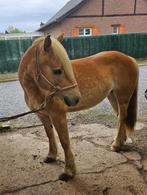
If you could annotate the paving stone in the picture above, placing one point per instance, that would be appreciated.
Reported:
(138, 164)
(93, 131)
(139, 126)
(144, 163)
(132, 155)
(99, 170)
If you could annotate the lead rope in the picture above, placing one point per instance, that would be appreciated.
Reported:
(39, 108)
(4, 119)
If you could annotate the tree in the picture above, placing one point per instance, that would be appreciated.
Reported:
(12, 29)
(41, 24)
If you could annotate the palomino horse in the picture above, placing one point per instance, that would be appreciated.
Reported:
(47, 74)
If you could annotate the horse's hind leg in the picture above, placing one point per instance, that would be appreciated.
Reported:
(50, 134)
(127, 107)
(121, 134)
(60, 123)
(113, 101)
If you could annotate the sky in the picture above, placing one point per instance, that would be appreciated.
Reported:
(27, 14)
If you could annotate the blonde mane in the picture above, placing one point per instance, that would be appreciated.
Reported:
(37, 41)
(60, 52)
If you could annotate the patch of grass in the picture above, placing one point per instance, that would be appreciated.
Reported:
(142, 62)
(8, 77)
(106, 116)
(92, 116)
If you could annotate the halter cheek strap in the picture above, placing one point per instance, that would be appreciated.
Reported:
(40, 74)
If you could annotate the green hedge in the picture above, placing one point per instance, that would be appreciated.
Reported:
(133, 44)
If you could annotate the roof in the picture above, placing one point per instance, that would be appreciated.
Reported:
(69, 8)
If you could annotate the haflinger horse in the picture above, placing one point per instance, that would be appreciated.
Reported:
(48, 76)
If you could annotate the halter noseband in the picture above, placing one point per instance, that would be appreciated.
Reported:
(40, 74)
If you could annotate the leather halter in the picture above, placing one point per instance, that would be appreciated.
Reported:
(40, 74)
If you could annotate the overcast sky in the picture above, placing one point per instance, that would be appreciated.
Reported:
(27, 14)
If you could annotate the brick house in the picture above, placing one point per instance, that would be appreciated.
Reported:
(95, 17)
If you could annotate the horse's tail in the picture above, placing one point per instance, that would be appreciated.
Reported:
(132, 112)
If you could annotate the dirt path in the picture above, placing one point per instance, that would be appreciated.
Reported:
(99, 171)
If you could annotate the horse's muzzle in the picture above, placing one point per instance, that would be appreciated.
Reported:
(71, 102)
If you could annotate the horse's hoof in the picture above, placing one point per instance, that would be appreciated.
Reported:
(115, 148)
(49, 159)
(65, 177)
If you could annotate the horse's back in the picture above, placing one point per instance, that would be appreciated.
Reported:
(107, 59)
(112, 63)
(115, 58)
(121, 68)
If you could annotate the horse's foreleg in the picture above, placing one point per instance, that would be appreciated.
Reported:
(121, 134)
(60, 124)
(50, 134)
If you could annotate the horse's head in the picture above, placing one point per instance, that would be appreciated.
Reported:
(55, 69)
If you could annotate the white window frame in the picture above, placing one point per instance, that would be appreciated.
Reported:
(84, 31)
(115, 29)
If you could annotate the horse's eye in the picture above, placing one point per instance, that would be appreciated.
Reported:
(57, 71)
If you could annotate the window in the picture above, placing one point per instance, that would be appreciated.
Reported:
(115, 29)
(85, 31)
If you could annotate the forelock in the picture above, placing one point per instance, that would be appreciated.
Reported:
(60, 52)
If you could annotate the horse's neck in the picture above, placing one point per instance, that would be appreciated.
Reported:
(29, 62)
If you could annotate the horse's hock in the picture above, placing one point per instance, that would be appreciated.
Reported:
(99, 170)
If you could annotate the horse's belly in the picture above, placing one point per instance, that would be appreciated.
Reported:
(89, 99)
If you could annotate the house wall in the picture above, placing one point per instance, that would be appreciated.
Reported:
(101, 19)
(102, 25)
(141, 6)
(92, 7)
(118, 7)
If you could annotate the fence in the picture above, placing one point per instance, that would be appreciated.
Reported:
(134, 44)
(11, 52)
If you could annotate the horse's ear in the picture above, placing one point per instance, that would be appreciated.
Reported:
(60, 37)
(47, 43)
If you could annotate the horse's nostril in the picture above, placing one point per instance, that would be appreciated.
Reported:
(77, 100)
(67, 101)
(71, 102)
